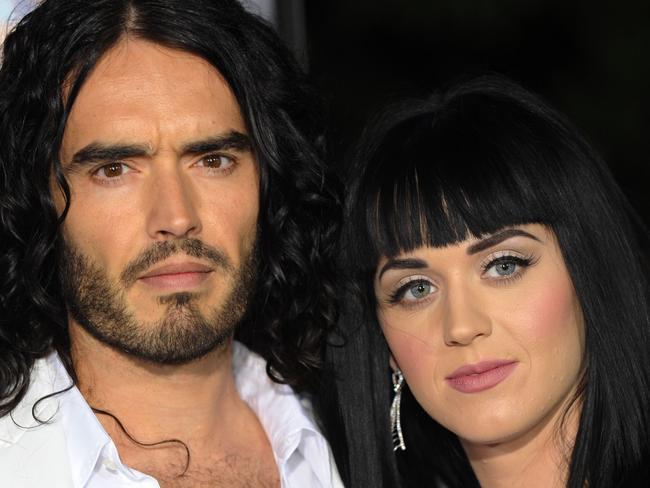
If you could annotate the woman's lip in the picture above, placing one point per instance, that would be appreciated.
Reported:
(478, 368)
(481, 376)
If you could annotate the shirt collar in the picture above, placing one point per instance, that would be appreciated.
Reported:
(286, 419)
(86, 437)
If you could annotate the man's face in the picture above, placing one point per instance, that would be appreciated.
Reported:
(159, 256)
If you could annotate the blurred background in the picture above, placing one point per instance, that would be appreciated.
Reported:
(11, 11)
(590, 59)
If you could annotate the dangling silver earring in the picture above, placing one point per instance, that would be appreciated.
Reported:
(395, 421)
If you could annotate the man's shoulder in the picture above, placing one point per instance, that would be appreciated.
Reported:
(36, 408)
(33, 449)
(36, 459)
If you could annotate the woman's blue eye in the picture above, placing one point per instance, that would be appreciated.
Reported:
(420, 290)
(505, 269)
(413, 291)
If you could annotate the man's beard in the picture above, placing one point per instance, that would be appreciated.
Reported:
(183, 333)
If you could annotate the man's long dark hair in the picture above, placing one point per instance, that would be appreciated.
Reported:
(470, 160)
(50, 53)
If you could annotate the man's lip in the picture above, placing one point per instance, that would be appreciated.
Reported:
(478, 368)
(178, 268)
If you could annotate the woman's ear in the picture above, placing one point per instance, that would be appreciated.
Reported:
(393, 364)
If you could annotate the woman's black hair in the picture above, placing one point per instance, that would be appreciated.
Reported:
(49, 54)
(480, 156)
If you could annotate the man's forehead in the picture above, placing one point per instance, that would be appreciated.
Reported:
(140, 91)
(150, 69)
(132, 57)
(135, 54)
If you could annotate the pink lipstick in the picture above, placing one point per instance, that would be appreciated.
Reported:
(473, 378)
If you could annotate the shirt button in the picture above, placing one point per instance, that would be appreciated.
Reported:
(110, 466)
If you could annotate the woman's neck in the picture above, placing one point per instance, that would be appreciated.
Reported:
(538, 458)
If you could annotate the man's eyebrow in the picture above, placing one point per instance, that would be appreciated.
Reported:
(231, 140)
(409, 263)
(96, 151)
(498, 238)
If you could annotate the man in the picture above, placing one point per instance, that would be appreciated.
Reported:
(161, 193)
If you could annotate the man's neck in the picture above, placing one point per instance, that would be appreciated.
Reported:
(195, 403)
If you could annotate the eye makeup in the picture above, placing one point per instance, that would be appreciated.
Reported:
(412, 290)
(506, 265)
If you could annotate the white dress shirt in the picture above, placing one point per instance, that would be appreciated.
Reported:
(72, 449)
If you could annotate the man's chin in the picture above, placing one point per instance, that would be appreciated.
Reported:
(173, 333)
(180, 337)
(163, 355)
(181, 307)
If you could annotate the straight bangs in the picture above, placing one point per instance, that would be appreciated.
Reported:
(438, 181)
(484, 155)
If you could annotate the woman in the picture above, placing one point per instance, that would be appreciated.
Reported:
(492, 248)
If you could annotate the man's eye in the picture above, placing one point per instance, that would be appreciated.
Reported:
(112, 170)
(217, 161)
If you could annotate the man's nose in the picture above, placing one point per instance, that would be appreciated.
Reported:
(173, 206)
(466, 317)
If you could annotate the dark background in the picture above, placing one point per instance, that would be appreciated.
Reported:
(590, 60)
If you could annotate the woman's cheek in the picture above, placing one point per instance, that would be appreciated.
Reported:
(416, 360)
(547, 315)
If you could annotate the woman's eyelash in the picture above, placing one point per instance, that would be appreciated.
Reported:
(506, 267)
(398, 295)
(520, 260)
(511, 264)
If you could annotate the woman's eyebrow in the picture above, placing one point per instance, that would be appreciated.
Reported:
(402, 264)
(497, 238)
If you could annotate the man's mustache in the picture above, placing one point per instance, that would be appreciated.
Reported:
(162, 250)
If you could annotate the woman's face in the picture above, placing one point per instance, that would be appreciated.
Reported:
(488, 333)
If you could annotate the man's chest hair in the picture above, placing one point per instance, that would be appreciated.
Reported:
(231, 471)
